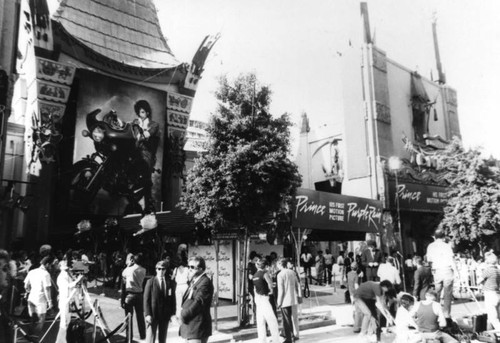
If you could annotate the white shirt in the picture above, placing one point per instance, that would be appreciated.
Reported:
(36, 282)
(387, 271)
(440, 254)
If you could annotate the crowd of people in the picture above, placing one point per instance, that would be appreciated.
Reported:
(179, 290)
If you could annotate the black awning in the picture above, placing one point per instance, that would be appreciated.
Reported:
(336, 213)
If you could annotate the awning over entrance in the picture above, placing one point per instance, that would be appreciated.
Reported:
(417, 197)
(345, 217)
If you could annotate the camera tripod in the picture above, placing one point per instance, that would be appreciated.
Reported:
(86, 297)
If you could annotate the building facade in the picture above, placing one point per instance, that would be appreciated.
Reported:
(384, 110)
(104, 105)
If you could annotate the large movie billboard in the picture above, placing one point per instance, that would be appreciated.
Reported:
(118, 146)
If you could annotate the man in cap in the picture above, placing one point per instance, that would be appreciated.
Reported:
(159, 304)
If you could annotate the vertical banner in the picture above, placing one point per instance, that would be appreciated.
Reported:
(226, 267)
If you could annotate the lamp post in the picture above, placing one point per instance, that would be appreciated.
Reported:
(395, 166)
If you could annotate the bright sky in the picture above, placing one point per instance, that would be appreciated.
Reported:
(292, 45)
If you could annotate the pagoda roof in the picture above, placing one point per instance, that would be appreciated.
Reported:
(126, 31)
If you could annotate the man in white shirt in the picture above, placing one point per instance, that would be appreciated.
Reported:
(440, 256)
(132, 292)
(387, 271)
(37, 285)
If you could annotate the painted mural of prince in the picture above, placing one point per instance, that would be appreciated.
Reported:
(148, 138)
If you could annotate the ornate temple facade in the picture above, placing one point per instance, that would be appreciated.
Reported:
(100, 110)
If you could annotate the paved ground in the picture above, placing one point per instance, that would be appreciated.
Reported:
(325, 303)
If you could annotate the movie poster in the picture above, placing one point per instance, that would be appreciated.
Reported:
(118, 147)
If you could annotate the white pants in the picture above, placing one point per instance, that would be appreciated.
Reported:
(491, 302)
(265, 314)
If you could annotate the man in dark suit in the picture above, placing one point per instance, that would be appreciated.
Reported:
(370, 258)
(422, 279)
(159, 304)
(196, 321)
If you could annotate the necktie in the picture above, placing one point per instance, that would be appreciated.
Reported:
(162, 286)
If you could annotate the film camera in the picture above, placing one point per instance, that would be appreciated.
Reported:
(79, 267)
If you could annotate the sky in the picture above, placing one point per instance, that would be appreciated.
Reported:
(294, 46)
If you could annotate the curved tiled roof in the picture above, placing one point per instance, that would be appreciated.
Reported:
(127, 31)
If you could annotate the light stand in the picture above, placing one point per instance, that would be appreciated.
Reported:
(395, 165)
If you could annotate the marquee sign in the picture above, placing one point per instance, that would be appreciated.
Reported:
(417, 197)
(328, 211)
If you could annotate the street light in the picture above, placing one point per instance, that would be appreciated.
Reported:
(395, 166)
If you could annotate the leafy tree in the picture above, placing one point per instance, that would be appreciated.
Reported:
(472, 213)
(246, 175)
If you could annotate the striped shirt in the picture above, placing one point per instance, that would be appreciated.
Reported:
(491, 277)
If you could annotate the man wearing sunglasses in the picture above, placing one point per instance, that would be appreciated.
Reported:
(159, 304)
(196, 321)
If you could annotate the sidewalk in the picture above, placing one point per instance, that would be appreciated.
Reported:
(324, 312)
(324, 317)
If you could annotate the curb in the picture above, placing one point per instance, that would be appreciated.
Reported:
(253, 334)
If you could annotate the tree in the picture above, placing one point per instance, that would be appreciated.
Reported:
(472, 213)
(246, 176)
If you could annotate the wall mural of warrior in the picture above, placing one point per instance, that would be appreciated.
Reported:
(118, 147)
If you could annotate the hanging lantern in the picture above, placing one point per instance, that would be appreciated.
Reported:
(149, 222)
(83, 225)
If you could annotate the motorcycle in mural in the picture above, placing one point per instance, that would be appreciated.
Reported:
(116, 166)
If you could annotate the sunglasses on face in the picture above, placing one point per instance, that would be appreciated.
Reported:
(193, 267)
(160, 268)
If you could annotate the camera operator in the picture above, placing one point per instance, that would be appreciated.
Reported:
(66, 283)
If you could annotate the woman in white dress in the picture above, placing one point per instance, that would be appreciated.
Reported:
(66, 284)
(180, 275)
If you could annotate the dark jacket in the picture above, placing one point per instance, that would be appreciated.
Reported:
(195, 314)
(422, 282)
(156, 304)
(366, 257)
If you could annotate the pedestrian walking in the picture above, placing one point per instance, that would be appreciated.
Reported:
(288, 290)
(159, 304)
(440, 256)
(263, 290)
(132, 293)
(196, 321)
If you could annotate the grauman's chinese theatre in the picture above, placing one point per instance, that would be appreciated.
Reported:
(100, 111)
